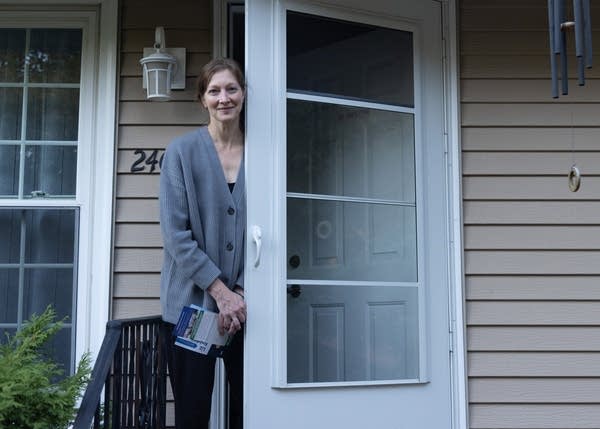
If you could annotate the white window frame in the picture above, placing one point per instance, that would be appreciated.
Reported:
(95, 159)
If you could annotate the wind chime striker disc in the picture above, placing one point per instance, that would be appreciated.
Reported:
(574, 179)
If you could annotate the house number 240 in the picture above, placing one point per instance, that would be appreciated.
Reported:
(144, 161)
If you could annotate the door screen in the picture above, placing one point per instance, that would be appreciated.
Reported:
(352, 215)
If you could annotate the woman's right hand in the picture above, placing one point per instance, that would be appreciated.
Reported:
(232, 308)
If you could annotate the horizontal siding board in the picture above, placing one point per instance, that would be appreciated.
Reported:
(195, 16)
(523, 42)
(504, 18)
(533, 338)
(534, 416)
(495, 4)
(525, 91)
(130, 64)
(134, 260)
(536, 364)
(529, 42)
(529, 114)
(136, 285)
(138, 235)
(548, 139)
(137, 210)
(150, 137)
(137, 185)
(510, 66)
(490, 262)
(531, 212)
(139, 307)
(534, 390)
(528, 188)
(182, 3)
(173, 113)
(529, 163)
(532, 237)
(530, 14)
(533, 313)
(501, 262)
(495, 288)
(132, 90)
(193, 39)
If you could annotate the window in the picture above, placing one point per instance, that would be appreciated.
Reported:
(39, 112)
(52, 175)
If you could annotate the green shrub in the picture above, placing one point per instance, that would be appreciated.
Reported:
(30, 396)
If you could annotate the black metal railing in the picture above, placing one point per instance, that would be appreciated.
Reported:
(128, 385)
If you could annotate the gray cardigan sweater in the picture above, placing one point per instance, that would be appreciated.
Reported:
(202, 222)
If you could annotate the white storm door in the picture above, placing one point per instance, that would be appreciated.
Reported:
(347, 282)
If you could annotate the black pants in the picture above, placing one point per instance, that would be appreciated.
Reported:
(192, 378)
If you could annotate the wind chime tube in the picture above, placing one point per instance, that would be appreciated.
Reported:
(587, 31)
(579, 41)
(578, 15)
(559, 18)
(557, 21)
(553, 69)
(564, 65)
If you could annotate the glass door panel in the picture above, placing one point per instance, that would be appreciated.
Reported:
(337, 240)
(354, 333)
(350, 151)
(349, 59)
(352, 214)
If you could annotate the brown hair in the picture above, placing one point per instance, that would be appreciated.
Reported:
(215, 66)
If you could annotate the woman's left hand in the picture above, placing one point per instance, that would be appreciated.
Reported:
(232, 308)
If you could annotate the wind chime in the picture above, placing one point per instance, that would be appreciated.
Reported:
(582, 28)
(559, 25)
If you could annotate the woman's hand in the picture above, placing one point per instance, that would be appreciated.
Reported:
(232, 308)
(239, 290)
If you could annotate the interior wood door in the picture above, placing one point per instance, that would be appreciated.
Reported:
(347, 281)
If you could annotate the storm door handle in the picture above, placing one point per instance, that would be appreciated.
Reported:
(257, 239)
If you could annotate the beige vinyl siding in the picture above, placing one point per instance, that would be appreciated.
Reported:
(532, 247)
(148, 127)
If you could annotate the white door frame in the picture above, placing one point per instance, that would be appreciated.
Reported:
(457, 322)
(454, 226)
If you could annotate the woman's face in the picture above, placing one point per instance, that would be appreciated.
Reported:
(224, 97)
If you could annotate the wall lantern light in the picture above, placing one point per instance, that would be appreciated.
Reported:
(163, 68)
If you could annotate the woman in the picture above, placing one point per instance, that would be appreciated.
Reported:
(203, 220)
